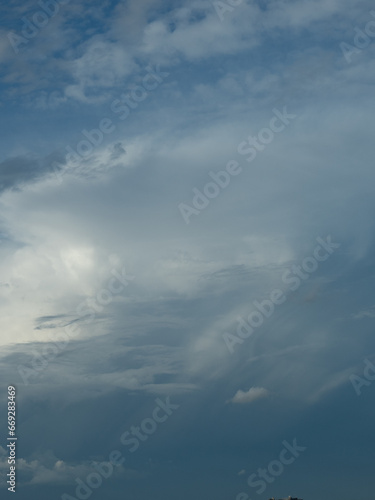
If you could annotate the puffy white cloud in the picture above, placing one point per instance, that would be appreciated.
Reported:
(46, 469)
(253, 394)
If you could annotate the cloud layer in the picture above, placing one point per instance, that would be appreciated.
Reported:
(97, 157)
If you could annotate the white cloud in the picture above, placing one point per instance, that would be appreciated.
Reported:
(254, 393)
(197, 32)
(47, 469)
(102, 66)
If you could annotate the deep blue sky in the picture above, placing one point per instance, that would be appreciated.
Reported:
(70, 226)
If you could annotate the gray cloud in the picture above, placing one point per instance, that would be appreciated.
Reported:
(66, 226)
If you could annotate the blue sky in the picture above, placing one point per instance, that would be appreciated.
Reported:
(164, 167)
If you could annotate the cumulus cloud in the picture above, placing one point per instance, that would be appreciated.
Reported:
(46, 469)
(244, 397)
